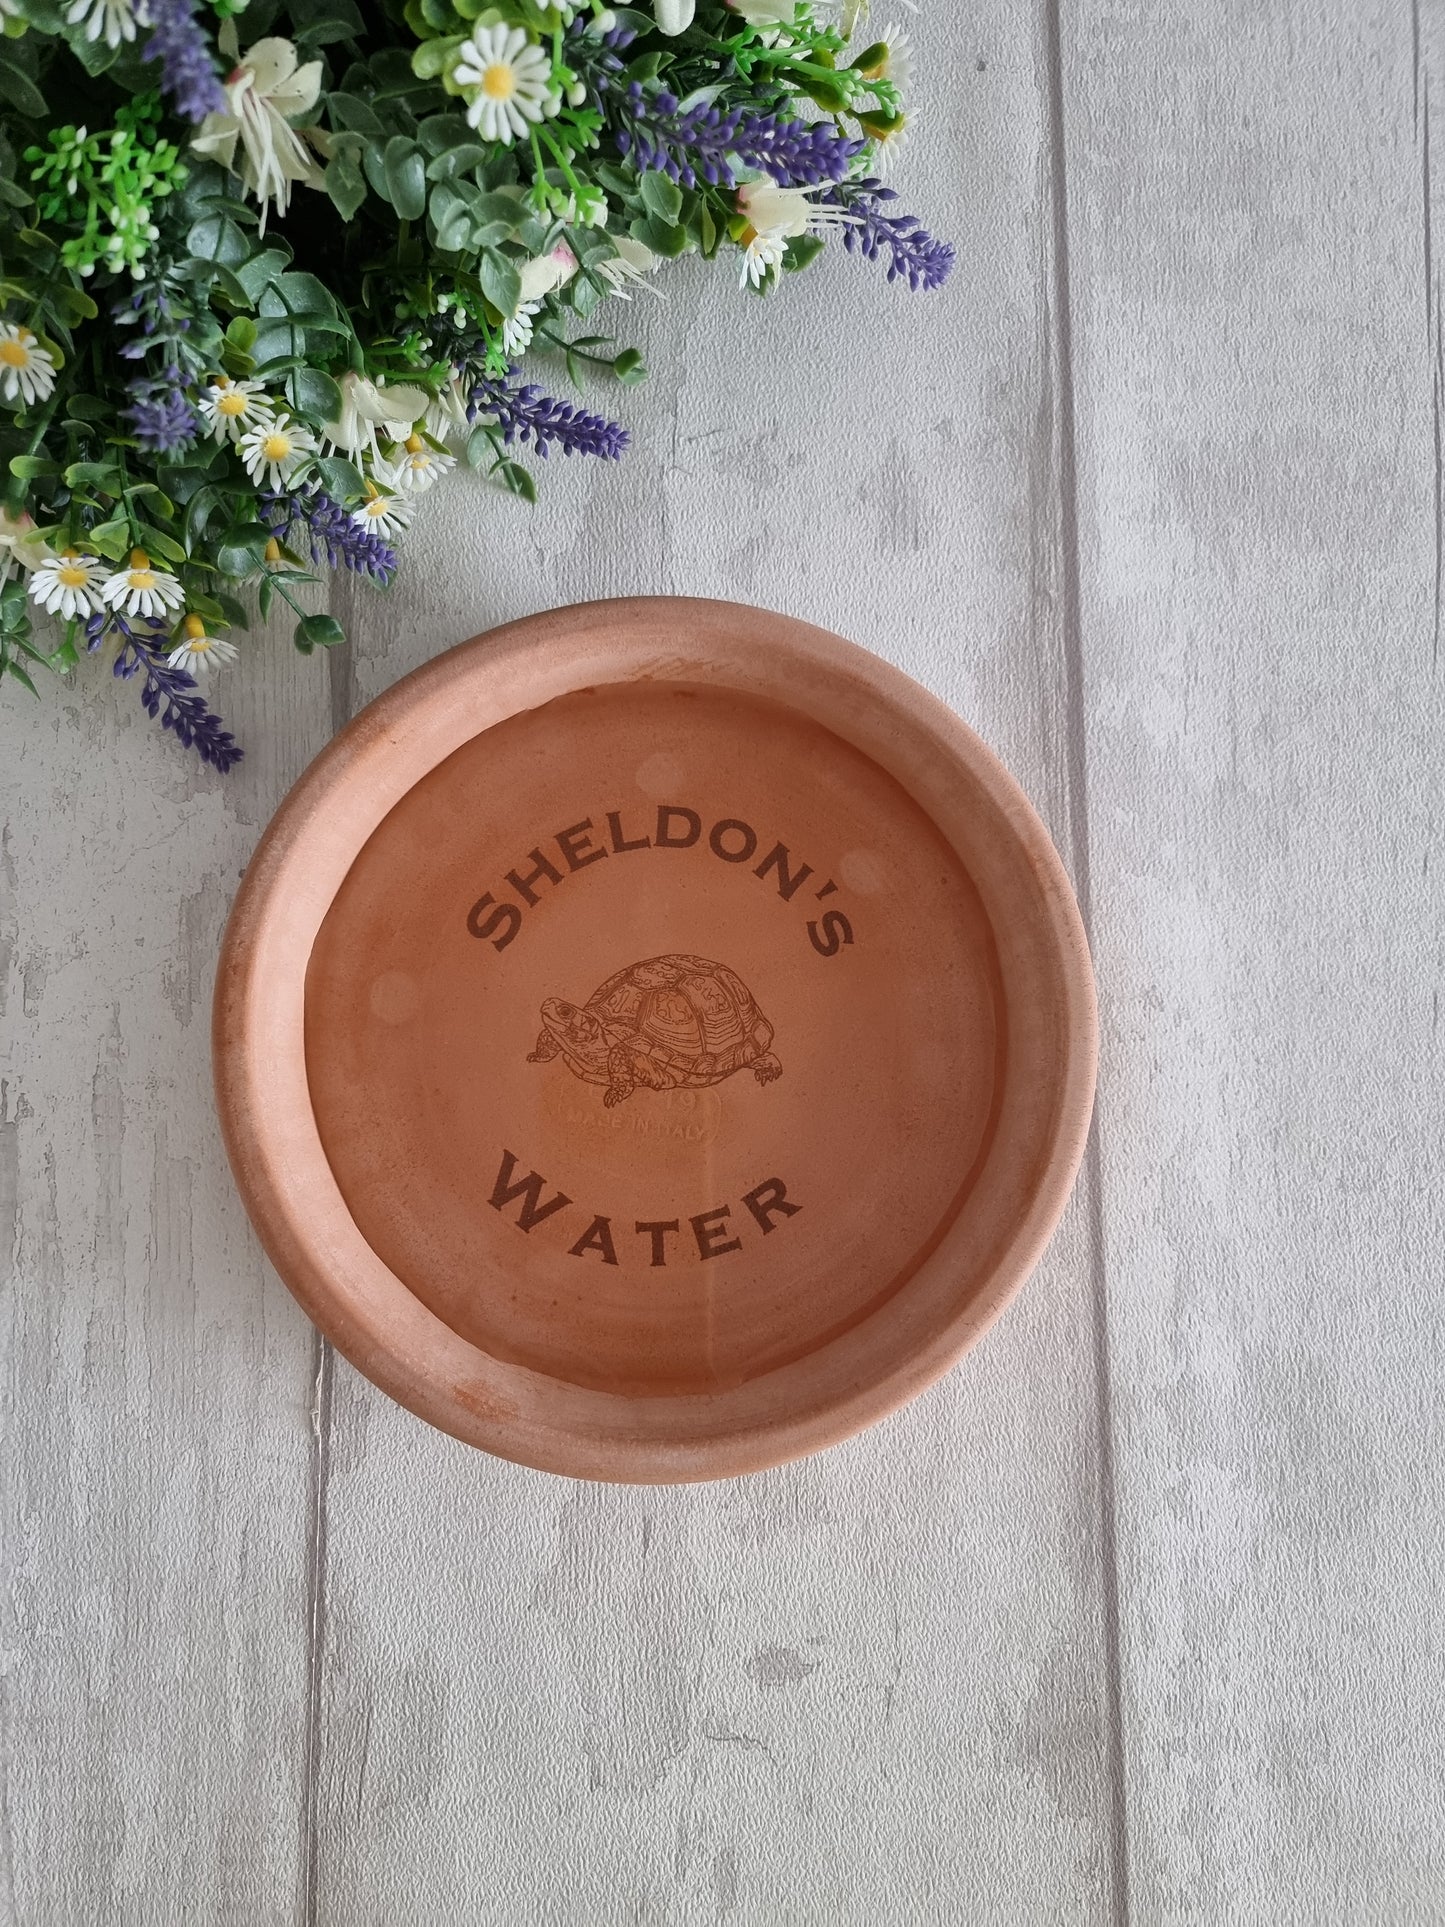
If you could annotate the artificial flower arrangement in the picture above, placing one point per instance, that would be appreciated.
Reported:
(268, 270)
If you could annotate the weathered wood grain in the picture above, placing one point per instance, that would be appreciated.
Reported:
(157, 1378)
(872, 1688)
(1256, 327)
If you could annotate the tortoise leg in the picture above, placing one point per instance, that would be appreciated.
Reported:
(623, 1076)
(767, 1068)
(546, 1049)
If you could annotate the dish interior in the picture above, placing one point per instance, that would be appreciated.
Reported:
(655, 1039)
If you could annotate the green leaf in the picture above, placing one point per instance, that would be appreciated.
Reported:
(314, 394)
(455, 161)
(340, 478)
(21, 676)
(318, 632)
(518, 480)
(338, 20)
(433, 57)
(161, 503)
(405, 168)
(242, 548)
(104, 476)
(801, 250)
(89, 408)
(217, 238)
(660, 237)
(661, 197)
(22, 93)
(346, 184)
(233, 610)
(438, 132)
(77, 305)
(501, 283)
(257, 274)
(352, 116)
(32, 468)
(630, 368)
(153, 541)
(111, 539)
(301, 296)
(241, 333)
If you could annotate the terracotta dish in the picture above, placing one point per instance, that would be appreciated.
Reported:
(655, 1040)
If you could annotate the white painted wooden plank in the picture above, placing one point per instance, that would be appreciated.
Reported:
(155, 1398)
(870, 1688)
(1255, 352)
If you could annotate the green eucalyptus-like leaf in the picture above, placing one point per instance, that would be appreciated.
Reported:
(314, 394)
(346, 185)
(405, 171)
(313, 632)
(661, 197)
(341, 479)
(501, 283)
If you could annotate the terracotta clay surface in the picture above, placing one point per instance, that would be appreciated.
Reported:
(654, 1040)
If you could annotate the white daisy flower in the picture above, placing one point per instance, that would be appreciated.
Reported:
(69, 584)
(367, 406)
(264, 93)
(629, 267)
(446, 414)
(27, 371)
(509, 79)
(140, 590)
(230, 408)
(897, 64)
(415, 467)
(197, 653)
(517, 328)
(273, 451)
(115, 19)
(775, 216)
(386, 511)
(674, 16)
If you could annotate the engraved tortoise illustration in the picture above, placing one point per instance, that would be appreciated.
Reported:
(665, 1023)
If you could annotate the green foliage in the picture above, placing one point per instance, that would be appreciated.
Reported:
(349, 267)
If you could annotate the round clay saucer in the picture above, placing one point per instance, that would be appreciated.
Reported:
(654, 1040)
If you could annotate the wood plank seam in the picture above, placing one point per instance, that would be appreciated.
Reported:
(1078, 803)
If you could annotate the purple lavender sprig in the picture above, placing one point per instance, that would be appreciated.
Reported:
(314, 520)
(159, 416)
(655, 135)
(913, 253)
(188, 73)
(166, 693)
(526, 414)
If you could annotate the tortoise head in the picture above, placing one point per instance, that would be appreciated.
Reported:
(578, 1035)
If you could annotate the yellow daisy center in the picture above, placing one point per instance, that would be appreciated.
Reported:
(142, 578)
(276, 447)
(499, 81)
(375, 507)
(14, 354)
(70, 575)
(198, 645)
(232, 404)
